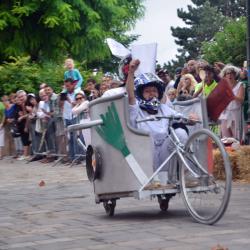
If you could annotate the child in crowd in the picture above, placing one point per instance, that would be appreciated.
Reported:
(171, 95)
(73, 73)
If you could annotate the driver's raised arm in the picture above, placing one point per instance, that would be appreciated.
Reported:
(130, 81)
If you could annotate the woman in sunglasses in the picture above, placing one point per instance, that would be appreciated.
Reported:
(81, 111)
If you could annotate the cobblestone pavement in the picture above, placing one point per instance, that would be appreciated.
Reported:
(63, 215)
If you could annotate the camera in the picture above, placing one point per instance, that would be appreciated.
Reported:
(63, 96)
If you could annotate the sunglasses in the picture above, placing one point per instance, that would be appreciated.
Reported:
(78, 98)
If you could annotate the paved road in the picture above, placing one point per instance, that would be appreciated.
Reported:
(63, 215)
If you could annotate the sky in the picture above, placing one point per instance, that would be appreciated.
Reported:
(159, 16)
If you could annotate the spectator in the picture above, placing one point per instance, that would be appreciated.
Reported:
(116, 88)
(90, 88)
(9, 115)
(165, 77)
(73, 74)
(177, 77)
(232, 117)
(103, 88)
(1, 129)
(32, 109)
(95, 92)
(21, 119)
(192, 69)
(69, 117)
(81, 111)
(43, 85)
(210, 82)
(186, 87)
(12, 98)
(171, 95)
(50, 93)
(218, 66)
(244, 80)
(46, 115)
(61, 140)
(90, 84)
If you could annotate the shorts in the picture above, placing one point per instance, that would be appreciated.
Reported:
(25, 138)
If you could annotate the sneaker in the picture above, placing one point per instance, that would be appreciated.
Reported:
(153, 185)
(192, 183)
(21, 158)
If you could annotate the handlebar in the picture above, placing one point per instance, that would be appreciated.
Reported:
(177, 118)
(84, 125)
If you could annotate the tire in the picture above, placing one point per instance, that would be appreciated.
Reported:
(163, 201)
(205, 184)
(109, 207)
(93, 163)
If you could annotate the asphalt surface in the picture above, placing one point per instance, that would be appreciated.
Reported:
(62, 214)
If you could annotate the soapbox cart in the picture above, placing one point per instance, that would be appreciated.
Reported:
(119, 161)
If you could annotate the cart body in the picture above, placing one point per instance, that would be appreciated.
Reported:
(117, 180)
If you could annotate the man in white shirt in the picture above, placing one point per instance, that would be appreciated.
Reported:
(45, 113)
(68, 116)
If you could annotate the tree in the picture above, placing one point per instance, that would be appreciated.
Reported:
(228, 46)
(203, 19)
(78, 28)
(21, 73)
(202, 23)
(229, 8)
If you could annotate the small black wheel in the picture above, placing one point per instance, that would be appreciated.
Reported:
(93, 163)
(109, 207)
(163, 201)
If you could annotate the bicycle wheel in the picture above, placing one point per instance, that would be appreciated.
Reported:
(206, 177)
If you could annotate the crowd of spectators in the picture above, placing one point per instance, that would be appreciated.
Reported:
(34, 127)
(188, 84)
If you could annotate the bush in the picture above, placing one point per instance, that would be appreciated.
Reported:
(21, 73)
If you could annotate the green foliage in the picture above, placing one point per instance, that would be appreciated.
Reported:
(49, 30)
(229, 45)
(203, 22)
(21, 73)
(203, 19)
(229, 8)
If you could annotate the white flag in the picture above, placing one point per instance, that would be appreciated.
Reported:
(146, 53)
(117, 49)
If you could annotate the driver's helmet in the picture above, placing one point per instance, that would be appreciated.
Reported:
(144, 80)
(124, 67)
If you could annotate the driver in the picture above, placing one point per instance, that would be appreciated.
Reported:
(144, 94)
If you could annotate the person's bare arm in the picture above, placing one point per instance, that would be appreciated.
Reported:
(130, 81)
(240, 95)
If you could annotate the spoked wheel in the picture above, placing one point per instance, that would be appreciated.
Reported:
(163, 201)
(206, 177)
(109, 207)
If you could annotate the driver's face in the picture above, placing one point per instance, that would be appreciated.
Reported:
(150, 92)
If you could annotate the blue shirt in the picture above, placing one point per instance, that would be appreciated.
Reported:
(75, 75)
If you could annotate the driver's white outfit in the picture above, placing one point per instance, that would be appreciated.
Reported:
(158, 131)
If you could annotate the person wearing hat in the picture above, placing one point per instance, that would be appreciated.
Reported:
(166, 79)
(209, 83)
